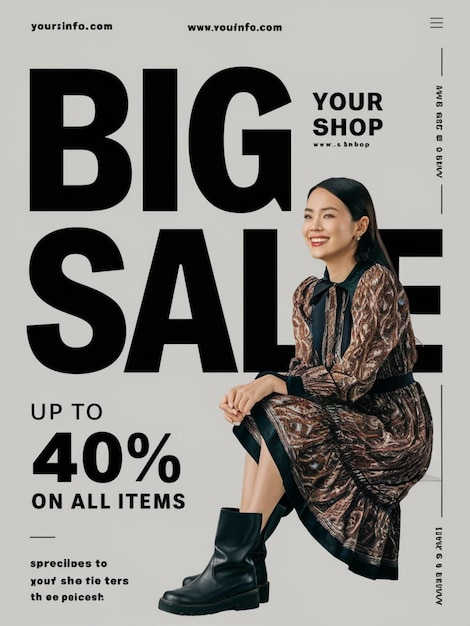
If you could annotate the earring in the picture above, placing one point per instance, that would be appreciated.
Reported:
(357, 237)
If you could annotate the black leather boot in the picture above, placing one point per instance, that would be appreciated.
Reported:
(229, 580)
(258, 554)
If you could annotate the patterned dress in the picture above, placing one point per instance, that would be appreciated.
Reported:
(354, 432)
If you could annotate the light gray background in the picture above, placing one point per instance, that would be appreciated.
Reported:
(383, 46)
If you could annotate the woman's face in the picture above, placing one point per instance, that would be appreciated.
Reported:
(329, 230)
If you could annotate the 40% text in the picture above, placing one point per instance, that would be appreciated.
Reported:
(107, 445)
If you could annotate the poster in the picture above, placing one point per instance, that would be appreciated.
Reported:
(115, 458)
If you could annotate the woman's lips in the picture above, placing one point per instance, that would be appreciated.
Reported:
(318, 241)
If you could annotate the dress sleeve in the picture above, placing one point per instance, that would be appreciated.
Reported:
(380, 314)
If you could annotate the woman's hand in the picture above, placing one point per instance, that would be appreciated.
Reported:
(239, 401)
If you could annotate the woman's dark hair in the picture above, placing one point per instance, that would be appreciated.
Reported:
(356, 197)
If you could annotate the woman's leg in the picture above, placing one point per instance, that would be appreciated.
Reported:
(249, 477)
(237, 579)
(262, 485)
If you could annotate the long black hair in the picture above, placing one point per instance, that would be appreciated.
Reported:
(359, 202)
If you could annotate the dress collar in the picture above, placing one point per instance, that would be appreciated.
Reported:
(349, 284)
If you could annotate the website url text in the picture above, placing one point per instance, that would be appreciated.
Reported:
(70, 26)
(239, 28)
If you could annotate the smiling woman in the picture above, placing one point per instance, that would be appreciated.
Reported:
(343, 435)
(331, 233)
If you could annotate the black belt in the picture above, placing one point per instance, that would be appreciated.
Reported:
(392, 383)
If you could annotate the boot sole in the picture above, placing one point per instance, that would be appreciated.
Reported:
(241, 602)
(264, 592)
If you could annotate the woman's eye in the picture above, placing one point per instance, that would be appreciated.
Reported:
(328, 215)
